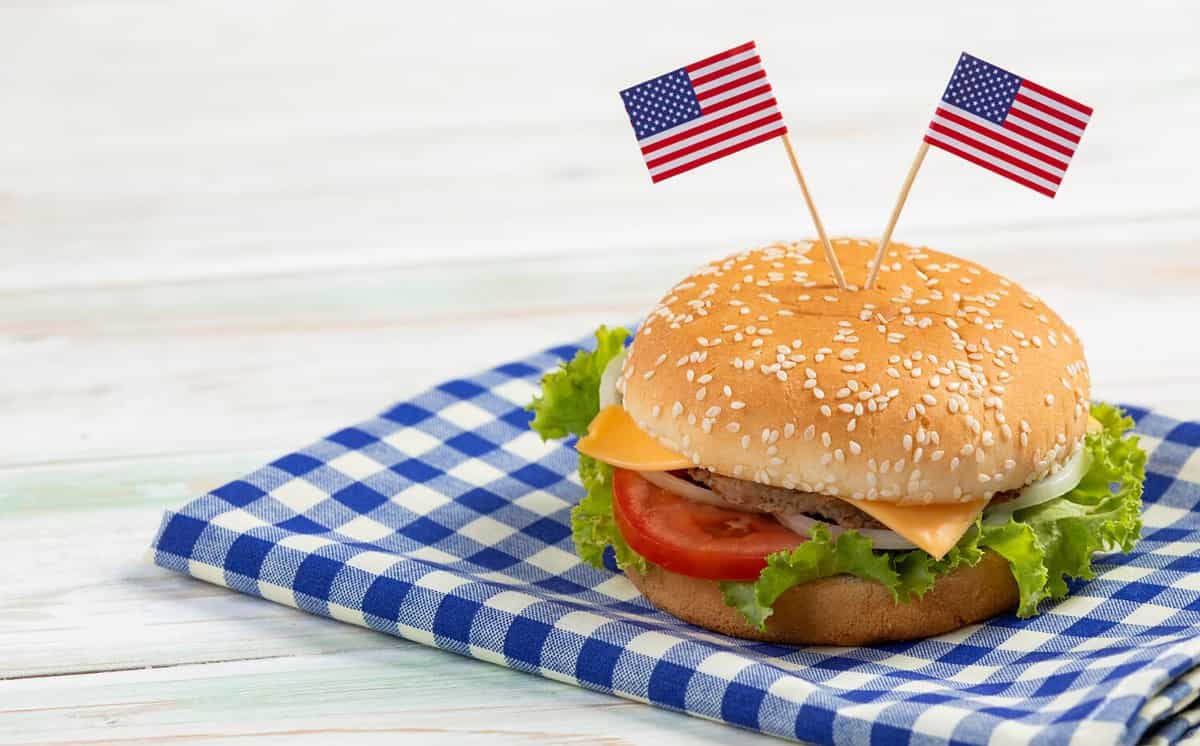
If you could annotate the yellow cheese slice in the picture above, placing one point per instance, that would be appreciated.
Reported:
(934, 528)
(614, 438)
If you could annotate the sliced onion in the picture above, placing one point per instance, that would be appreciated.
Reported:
(609, 395)
(689, 490)
(1055, 485)
(881, 538)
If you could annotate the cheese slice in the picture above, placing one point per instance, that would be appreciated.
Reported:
(934, 528)
(614, 438)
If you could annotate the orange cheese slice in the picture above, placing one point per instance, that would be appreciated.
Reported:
(614, 438)
(934, 528)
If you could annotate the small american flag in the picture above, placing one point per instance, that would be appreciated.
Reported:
(1008, 124)
(703, 111)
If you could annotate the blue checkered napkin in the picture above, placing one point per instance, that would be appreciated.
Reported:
(445, 521)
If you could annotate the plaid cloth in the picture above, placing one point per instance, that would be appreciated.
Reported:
(444, 520)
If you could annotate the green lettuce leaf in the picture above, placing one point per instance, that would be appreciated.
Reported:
(592, 523)
(570, 400)
(571, 394)
(819, 557)
(1102, 513)
(1045, 545)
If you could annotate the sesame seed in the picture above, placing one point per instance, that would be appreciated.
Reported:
(745, 441)
(700, 393)
(736, 404)
(676, 409)
(825, 410)
(810, 432)
(733, 427)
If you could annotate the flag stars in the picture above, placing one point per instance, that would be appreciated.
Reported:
(661, 103)
(982, 89)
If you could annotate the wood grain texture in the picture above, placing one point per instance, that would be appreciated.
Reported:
(227, 229)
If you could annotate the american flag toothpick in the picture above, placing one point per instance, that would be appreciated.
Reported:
(707, 110)
(1009, 125)
(1005, 123)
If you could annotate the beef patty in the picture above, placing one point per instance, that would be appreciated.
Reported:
(766, 499)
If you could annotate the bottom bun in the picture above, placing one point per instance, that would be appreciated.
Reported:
(841, 610)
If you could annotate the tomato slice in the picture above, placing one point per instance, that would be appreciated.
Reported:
(692, 538)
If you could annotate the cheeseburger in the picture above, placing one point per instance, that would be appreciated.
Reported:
(775, 458)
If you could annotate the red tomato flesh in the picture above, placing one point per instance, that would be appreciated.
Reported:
(691, 538)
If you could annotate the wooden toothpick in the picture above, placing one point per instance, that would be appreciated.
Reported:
(887, 233)
(816, 218)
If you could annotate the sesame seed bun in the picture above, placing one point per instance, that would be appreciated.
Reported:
(841, 610)
(945, 382)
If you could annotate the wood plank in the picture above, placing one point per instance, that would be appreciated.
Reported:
(76, 603)
(177, 368)
(402, 691)
(143, 149)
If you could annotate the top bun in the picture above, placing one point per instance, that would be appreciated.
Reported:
(945, 382)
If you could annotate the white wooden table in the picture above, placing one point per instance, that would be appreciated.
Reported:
(227, 229)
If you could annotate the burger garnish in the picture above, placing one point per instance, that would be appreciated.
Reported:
(773, 443)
